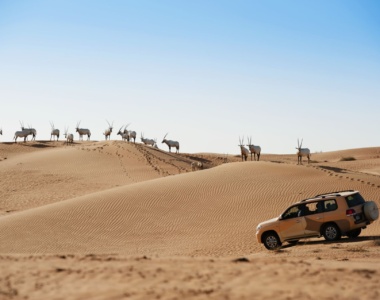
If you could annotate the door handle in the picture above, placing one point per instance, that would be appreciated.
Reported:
(318, 218)
(298, 221)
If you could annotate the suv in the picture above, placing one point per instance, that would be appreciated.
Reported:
(331, 215)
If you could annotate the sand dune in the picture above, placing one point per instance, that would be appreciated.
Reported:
(97, 209)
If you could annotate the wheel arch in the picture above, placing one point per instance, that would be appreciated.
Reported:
(328, 223)
(269, 231)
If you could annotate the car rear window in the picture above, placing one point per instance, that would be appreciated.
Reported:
(355, 199)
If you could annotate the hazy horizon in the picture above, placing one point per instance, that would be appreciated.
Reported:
(206, 72)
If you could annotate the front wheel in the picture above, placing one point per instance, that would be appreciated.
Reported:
(331, 232)
(271, 241)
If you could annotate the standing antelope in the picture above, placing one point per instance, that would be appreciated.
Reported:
(124, 136)
(23, 133)
(171, 144)
(130, 133)
(69, 137)
(254, 149)
(82, 132)
(108, 131)
(302, 152)
(54, 131)
(32, 131)
(243, 151)
(147, 141)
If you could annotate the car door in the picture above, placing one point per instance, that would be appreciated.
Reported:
(314, 219)
(291, 225)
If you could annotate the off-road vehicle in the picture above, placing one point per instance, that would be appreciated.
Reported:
(331, 215)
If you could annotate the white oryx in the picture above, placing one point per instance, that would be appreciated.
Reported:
(32, 131)
(130, 133)
(243, 151)
(124, 136)
(254, 149)
(22, 134)
(147, 141)
(196, 165)
(302, 152)
(82, 132)
(54, 131)
(171, 144)
(108, 131)
(69, 137)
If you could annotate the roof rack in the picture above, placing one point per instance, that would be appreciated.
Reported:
(307, 199)
(325, 194)
(338, 192)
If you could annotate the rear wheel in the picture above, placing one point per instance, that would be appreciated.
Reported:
(271, 241)
(354, 233)
(331, 232)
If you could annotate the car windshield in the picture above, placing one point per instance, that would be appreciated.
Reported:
(355, 199)
(291, 212)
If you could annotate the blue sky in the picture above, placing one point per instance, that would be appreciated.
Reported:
(207, 72)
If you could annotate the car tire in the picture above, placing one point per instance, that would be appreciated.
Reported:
(354, 233)
(371, 211)
(331, 232)
(271, 241)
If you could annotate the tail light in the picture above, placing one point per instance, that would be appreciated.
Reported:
(350, 212)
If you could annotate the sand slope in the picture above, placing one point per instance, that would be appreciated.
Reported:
(112, 220)
(213, 212)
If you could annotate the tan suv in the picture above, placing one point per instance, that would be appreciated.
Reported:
(330, 215)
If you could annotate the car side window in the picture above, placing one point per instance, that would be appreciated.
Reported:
(330, 205)
(310, 208)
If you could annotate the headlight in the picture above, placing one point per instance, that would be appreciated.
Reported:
(258, 227)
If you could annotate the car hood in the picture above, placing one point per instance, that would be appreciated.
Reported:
(268, 222)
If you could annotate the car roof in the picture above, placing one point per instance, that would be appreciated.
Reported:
(329, 195)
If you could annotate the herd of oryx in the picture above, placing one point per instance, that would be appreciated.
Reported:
(126, 135)
(256, 151)
(129, 135)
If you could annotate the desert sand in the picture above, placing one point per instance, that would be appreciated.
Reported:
(117, 220)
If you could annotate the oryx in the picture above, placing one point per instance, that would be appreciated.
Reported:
(23, 133)
(32, 131)
(124, 136)
(82, 132)
(243, 151)
(69, 137)
(54, 131)
(108, 131)
(171, 144)
(254, 149)
(130, 133)
(147, 141)
(302, 152)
